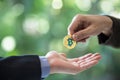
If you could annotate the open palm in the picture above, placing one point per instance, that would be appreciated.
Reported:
(60, 64)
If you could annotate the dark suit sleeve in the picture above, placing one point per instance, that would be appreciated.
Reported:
(114, 38)
(20, 68)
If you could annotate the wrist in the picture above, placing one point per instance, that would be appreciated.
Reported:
(108, 28)
(52, 61)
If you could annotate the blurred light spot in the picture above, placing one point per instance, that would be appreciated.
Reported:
(30, 26)
(57, 4)
(115, 14)
(8, 43)
(55, 12)
(12, 14)
(44, 26)
(35, 26)
(115, 2)
(83, 5)
(106, 6)
(18, 9)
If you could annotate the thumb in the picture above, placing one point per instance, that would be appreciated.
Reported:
(63, 54)
(83, 34)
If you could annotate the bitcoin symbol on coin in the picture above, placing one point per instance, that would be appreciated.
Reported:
(69, 42)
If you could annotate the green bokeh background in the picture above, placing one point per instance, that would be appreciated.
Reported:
(39, 26)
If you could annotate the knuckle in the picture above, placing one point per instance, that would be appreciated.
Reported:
(76, 17)
(70, 28)
(79, 16)
(52, 52)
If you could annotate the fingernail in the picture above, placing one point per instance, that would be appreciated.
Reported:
(75, 37)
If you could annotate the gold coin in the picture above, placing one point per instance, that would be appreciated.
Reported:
(69, 42)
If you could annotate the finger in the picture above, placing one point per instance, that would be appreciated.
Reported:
(63, 54)
(83, 40)
(51, 53)
(94, 56)
(74, 60)
(83, 34)
(85, 56)
(82, 59)
(75, 25)
(88, 65)
(88, 58)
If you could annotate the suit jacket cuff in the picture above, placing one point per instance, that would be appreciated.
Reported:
(113, 39)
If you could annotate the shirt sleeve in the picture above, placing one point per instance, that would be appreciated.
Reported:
(114, 39)
(45, 66)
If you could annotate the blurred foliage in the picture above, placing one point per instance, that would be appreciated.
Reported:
(38, 26)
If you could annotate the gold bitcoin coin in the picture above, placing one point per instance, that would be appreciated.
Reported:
(69, 42)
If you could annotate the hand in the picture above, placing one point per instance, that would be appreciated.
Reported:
(84, 26)
(60, 64)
